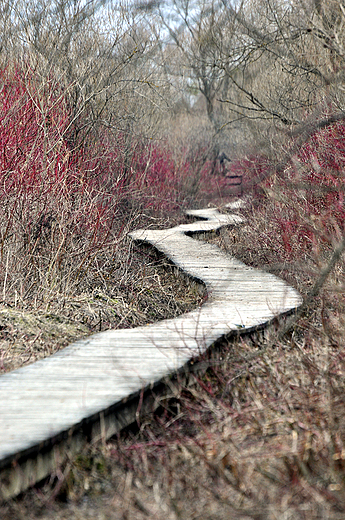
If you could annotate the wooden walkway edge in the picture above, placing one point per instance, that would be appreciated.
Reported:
(94, 387)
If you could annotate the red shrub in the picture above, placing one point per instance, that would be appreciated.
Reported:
(306, 200)
(62, 202)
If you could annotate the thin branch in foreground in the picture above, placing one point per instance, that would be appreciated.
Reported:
(325, 272)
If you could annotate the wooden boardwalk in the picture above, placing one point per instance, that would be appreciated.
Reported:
(94, 387)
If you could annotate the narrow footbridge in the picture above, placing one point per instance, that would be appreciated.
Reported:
(93, 388)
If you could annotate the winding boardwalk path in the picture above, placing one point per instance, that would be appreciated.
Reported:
(95, 386)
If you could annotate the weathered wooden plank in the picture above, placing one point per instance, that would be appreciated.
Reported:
(91, 388)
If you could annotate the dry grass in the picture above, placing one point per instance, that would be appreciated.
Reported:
(140, 288)
(259, 439)
(259, 435)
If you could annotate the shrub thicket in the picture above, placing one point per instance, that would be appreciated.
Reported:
(68, 198)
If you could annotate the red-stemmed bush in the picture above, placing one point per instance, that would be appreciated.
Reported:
(68, 196)
(304, 201)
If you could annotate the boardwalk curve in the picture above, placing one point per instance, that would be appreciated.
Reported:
(92, 388)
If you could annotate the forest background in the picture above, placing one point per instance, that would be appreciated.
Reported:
(116, 116)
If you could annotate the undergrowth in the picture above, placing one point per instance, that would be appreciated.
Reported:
(68, 199)
(261, 432)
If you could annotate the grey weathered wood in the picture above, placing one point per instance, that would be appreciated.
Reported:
(92, 386)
